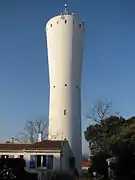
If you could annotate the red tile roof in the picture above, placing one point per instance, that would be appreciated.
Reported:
(85, 163)
(11, 146)
(44, 145)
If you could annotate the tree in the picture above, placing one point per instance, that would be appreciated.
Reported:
(99, 135)
(105, 122)
(112, 136)
(100, 111)
(31, 130)
(125, 139)
(99, 165)
(123, 148)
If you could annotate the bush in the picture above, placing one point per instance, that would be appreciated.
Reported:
(15, 168)
(62, 176)
(99, 165)
(125, 166)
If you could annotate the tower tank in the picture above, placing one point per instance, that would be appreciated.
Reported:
(65, 34)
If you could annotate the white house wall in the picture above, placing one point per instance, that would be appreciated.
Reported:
(65, 51)
(15, 154)
(56, 158)
(66, 154)
(56, 162)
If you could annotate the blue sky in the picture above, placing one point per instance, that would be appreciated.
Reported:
(109, 58)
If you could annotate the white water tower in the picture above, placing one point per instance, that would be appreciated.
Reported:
(65, 34)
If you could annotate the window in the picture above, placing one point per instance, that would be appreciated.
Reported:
(32, 161)
(11, 156)
(79, 25)
(50, 162)
(38, 161)
(65, 112)
(44, 161)
(21, 156)
(65, 21)
(3, 156)
(57, 22)
(51, 25)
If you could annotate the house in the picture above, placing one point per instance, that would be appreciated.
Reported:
(45, 155)
(85, 165)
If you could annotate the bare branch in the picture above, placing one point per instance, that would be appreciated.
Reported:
(31, 130)
(101, 111)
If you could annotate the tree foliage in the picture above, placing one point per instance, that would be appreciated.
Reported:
(110, 133)
(125, 139)
(105, 124)
(101, 135)
(119, 142)
(112, 136)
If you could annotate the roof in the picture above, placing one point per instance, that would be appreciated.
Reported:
(11, 146)
(44, 145)
(86, 163)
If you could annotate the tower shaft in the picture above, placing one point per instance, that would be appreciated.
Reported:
(65, 51)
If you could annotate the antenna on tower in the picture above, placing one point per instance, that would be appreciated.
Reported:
(65, 10)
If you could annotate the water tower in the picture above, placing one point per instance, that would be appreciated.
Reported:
(65, 35)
